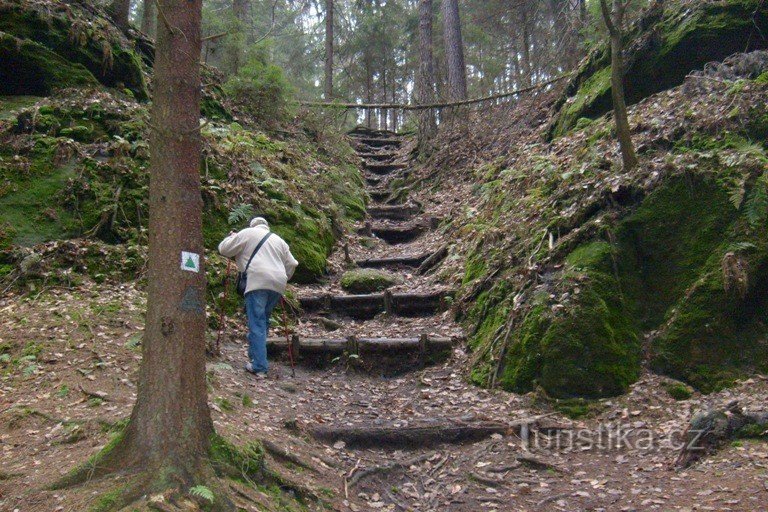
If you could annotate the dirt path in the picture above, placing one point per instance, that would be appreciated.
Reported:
(371, 432)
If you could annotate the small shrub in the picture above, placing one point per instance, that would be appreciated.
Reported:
(679, 391)
(261, 88)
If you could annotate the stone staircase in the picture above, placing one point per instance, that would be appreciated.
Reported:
(397, 224)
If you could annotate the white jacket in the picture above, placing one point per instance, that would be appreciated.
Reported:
(272, 267)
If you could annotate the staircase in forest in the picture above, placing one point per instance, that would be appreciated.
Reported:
(404, 320)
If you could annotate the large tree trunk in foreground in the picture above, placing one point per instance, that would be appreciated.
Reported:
(120, 11)
(425, 84)
(168, 435)
(171, 423)
(614, 20)
(149, 18)
(328, 50)
(454, 51)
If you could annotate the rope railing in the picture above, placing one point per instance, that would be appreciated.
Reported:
(399, 106)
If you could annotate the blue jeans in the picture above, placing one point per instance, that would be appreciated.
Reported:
(258, 306)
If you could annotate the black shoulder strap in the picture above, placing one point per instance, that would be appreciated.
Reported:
(257, 250)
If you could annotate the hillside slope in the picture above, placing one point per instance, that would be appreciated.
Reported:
(575, 274)
(73, 161)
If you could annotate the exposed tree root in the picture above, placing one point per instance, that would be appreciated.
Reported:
(227, 475)
(356, 476)
(709, 430)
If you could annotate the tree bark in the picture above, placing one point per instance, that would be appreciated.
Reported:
(120, 11)
(328, 50)
(240, 9)
(149, 18)
(454, 51)
(527, 67)
(425, 85)
(614, 20)
(170, 426)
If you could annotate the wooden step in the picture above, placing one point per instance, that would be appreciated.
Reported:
(398, 261)
(376, 142)
(364, 131)
(365, 307)
(393, 212)
(394, 234)
(373, 180)
(354, 345)
(379, 195)
(378, 157)
(383, 169)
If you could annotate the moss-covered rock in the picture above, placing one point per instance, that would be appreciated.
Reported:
(368, 281)
(661, 51)
(585, 347)
(29, 68)
(77, 37)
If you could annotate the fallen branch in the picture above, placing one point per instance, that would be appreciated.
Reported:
(398, 106)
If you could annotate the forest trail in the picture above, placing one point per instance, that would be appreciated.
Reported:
(380, 308)
(364, 433)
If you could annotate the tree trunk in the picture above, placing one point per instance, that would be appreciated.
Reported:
(527, 67)
(614, 21)
(454, 51)
(425, 83)
(120, 11)
(240, 9)
(368, 90)
(170, 426)
(620, 105)
(328, 50)
(149, 18)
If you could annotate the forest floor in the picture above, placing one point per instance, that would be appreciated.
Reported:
(73, 354)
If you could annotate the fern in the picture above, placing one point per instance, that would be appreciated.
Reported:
(756, 207)
(736, 193)
(240, 213)
(202, 492)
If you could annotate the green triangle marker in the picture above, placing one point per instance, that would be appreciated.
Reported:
(190, 263)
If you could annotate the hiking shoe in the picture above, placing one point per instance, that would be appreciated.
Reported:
(258, 375)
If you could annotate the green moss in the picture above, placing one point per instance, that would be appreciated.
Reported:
(662, 55)
(368, 281)
(30, 208)
(591, 97)
(244, 464)
(668, 239)
(753, 431)
(679, 391)
(30, 68)
(577, 408)
(109, 501)
(88, 46)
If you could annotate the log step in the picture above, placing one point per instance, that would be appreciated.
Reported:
(379, 195)
(365, 307)
(375, 142)
(395, 234)
(373, 180)
(382, 169)
(420, 434)
(354, 345)
(393, 212)
(378, 157)
(399, 261)
(364, 131)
